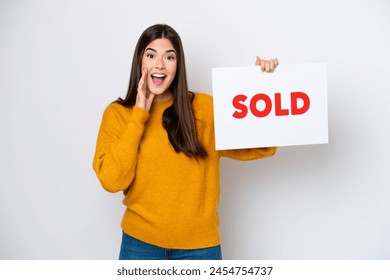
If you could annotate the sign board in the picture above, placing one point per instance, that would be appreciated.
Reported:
(259, 109)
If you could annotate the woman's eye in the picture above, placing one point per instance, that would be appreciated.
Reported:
(150, 55)
(170, 58)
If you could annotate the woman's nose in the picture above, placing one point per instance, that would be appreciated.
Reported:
(160, 64)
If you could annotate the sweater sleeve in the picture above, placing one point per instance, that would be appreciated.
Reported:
(117, 145)
(249, 154)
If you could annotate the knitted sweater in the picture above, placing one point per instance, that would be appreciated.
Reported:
(171, 200)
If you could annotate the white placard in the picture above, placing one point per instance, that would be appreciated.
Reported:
(259, 109)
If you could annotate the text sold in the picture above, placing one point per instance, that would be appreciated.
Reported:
(294, 109)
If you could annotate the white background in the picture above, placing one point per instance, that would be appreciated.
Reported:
(62, 62)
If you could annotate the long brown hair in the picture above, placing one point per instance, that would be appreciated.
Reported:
(178, 119)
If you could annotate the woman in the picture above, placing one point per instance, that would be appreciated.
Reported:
(157, 146)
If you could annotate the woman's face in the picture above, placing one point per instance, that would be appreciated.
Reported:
(160, 62)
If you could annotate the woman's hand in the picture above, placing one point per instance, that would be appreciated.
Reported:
(267, 65)
(144, 96)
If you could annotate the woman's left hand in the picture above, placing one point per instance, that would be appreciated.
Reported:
(267, 65)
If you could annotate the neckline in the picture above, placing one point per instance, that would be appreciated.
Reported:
(161, 105)
(170, 99)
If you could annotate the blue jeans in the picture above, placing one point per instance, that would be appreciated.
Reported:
(134, 249)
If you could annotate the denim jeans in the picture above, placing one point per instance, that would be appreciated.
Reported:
(134, 249)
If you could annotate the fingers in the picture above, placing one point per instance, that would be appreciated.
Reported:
(267, 65)
(142, 82)
(144, 96)
(258, 61)
(141, 99)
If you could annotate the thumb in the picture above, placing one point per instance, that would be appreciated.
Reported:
(258, 60)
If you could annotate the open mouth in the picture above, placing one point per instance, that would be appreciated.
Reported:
(158, 79)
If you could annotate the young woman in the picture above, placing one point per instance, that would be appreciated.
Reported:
(157, 146)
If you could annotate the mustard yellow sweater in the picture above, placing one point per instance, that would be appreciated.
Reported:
(171, 199)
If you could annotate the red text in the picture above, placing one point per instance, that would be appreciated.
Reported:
(242, 108)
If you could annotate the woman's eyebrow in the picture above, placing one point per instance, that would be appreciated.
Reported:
(153, 50)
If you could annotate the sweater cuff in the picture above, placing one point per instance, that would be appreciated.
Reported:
(140, 114)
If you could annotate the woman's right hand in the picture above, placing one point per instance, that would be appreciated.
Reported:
(144, 96)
